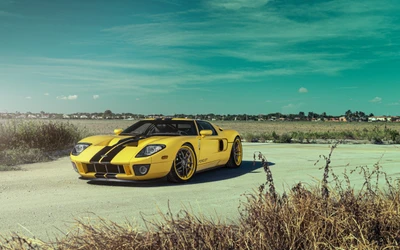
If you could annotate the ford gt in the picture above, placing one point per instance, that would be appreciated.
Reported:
(156, 148)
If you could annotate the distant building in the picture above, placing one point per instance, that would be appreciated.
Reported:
(334, 119)
(379, 119)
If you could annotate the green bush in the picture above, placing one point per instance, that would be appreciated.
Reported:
(377, 135)
(299, 136)
(284, 138)
(275, 136)
(392, 134)
(249, 137)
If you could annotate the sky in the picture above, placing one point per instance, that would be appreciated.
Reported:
(200, 57)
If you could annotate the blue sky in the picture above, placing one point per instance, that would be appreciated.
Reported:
(206, 56)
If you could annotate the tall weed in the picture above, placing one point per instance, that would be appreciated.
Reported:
(34, 141)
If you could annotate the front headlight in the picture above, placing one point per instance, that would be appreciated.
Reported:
(150, 150)
(78, 148)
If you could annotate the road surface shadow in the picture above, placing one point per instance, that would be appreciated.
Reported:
(217, 174)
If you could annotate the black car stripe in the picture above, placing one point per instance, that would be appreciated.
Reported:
(115, 150)
(97, 157)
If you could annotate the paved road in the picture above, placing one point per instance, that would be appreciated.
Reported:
(44, 199)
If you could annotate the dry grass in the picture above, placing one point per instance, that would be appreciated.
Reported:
(254, 127)
(32, 141)
(276, 131)
(311, 132)
(286, 127)
(330, 216)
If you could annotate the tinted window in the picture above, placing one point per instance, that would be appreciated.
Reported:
(206, 126)
(161, 127)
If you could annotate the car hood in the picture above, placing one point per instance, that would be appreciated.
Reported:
(113, 140)
(117, 149)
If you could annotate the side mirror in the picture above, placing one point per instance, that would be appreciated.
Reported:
(118, 131)
(204, 133)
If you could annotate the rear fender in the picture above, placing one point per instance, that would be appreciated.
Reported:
(231, 135)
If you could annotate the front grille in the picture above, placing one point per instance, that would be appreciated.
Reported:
(105, 168)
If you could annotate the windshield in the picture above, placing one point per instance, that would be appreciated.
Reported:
(161, 127)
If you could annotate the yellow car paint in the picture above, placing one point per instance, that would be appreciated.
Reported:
(116, 155)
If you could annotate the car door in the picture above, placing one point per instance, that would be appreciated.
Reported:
(209, 146)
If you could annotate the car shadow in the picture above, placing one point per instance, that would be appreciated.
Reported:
(221, 173)
(213, 175)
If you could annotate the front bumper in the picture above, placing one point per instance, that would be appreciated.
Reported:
(114, 180)
(107, 171)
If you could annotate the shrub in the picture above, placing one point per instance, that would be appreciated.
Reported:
(299, 136)
(275, 136)
(392, 134)
(35, 141)
(284, 138)
(376, 139)
(251, 137)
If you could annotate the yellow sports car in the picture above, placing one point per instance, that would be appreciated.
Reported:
(155, 148)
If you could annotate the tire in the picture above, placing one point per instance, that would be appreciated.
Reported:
(235, 160)
(184, 165)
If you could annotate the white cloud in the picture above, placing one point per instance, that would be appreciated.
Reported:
(46, 94)
(96, 97)
(70, 97)
(99, 64)
(267, 34)
(237, 4)
(137, 99)
(303, 90)
(376, 100)
(8, 14)
(289, 106)
(271, 37)
(350, 87)
(28, 97)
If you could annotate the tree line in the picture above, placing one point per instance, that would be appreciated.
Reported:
(108, 114)
(301, 116)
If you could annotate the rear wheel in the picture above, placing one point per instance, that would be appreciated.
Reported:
(235, 160)
(184, 165)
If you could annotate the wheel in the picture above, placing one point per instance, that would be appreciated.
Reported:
(235, 160)
(184, 165)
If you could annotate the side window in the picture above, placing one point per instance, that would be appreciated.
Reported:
(206, 126)
(187, 128)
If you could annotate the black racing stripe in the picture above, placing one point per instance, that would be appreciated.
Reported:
(116, 149)
(97, 157)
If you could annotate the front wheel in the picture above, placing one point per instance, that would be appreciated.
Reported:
(184, 165)
(235, 160)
